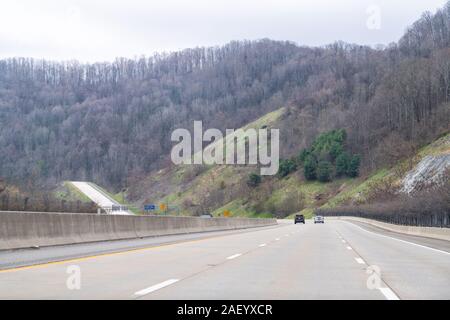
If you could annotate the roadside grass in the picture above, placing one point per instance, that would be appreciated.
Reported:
(356, 190)
(438, 147)
(238, 209)
(204, 183)
(309, 189)
(67, 191)
(267, 120)
(313, 193)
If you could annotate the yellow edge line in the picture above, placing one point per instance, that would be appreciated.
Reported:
(47, 264)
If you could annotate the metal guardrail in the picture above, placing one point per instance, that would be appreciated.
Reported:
(114, 208)
(438, 219)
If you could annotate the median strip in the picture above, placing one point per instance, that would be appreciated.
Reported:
(156, 287)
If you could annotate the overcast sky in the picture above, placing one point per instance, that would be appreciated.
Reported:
(99, 30)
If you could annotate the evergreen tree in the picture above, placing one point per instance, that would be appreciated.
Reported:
(254, 180)
(286, 167)
(342, 164)
(324, 171)
(309, 168)
(336, 149)
(303, 155)
(353, 168)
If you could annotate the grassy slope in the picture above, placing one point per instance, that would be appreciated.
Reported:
(173, 185)
(67, 191)
(344, 191)
(314, 194)
(211, 178)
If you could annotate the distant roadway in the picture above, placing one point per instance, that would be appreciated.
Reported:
(99, 197)
(336, 260)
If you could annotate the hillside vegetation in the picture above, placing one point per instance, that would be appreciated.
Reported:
(65, 198)
(361, 112)
(110, 123)
(343, 110)
(383, 195)
(195, 190)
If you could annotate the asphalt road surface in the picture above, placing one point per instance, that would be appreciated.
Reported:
(335, 260)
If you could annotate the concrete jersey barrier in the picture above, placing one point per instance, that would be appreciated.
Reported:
(429, 232)
(30, 229)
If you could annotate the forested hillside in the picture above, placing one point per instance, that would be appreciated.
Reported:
(111, 122)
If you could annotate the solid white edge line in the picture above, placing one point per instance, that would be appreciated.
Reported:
(234, 256)
(156, 287)
(404, 241)
(360, 261)
(389, 294)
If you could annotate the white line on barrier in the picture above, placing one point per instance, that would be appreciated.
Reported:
(234, 256)
(156, 287)
(389, 294)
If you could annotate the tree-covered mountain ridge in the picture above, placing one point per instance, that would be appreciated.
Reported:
(111, 122)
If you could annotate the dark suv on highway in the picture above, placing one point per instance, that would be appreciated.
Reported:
(299, 218)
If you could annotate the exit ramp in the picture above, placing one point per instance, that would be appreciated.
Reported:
(110, 206)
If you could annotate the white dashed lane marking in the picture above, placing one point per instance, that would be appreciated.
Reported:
(234, 256)
(155, 287)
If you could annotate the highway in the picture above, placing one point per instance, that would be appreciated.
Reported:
(329, 261)
(99, 197)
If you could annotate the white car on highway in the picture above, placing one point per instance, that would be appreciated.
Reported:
(319, 219)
